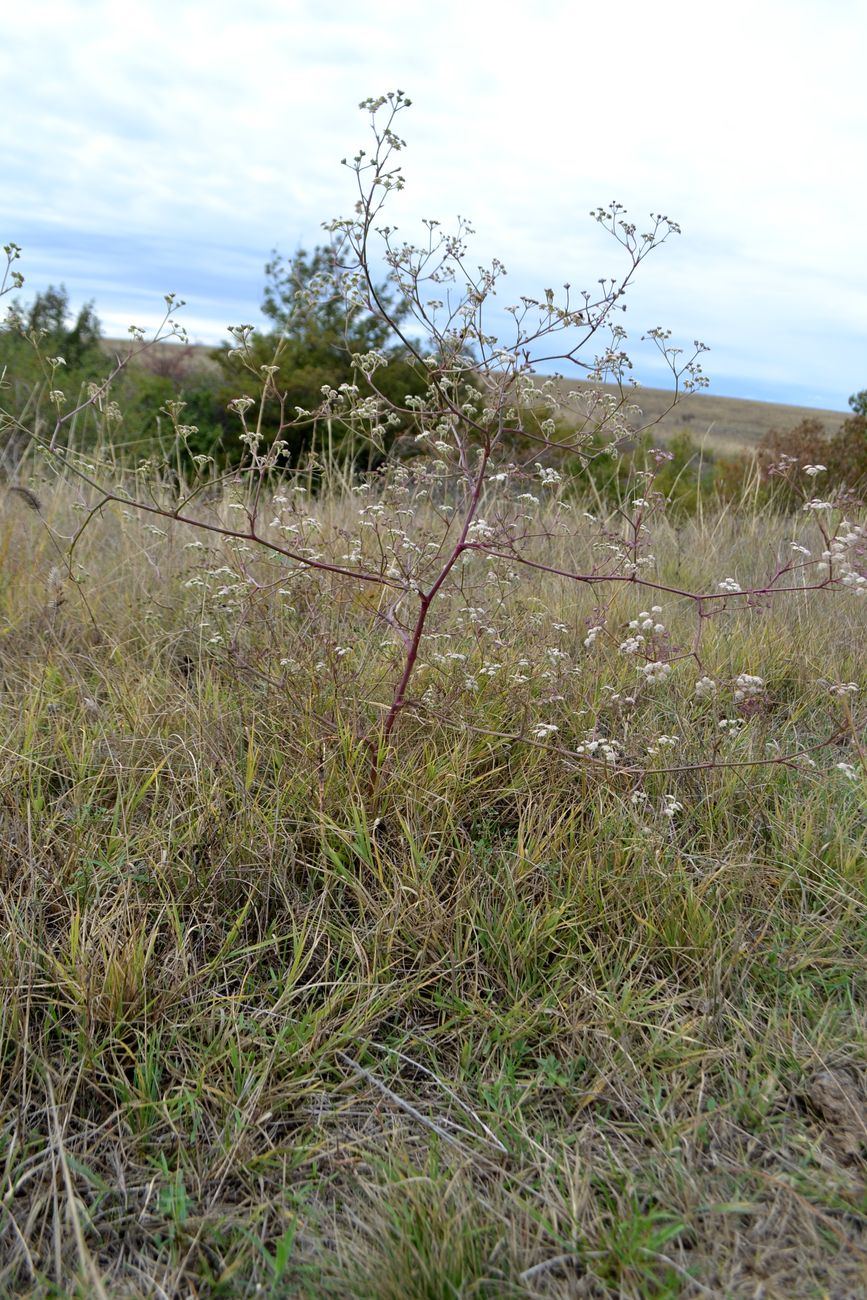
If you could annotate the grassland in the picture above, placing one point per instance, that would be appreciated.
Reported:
(527, 1024)
(722, 426)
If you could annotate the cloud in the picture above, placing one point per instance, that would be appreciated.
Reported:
(171, 145)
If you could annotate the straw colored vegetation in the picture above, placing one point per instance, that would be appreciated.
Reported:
(570, 1005)
(721, 426)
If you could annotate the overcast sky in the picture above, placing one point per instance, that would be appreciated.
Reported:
(170, 146)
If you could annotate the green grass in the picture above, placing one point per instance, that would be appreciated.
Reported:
(503, 1031)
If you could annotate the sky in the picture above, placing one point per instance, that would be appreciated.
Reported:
(169, 146)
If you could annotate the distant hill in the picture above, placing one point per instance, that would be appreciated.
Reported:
(723, 425)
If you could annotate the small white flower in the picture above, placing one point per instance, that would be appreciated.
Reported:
(548, 475)
(848, 770)
(748, 686)
(729, 585)
(655, 672)
(544, 729)
(631, 645)
(705, 688)
(813, 470)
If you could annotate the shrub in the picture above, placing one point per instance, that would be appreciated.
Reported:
(841, 456)
(467, 515)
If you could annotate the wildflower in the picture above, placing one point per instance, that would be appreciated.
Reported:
(547, 475)
(631, 645)
(544, 729)
(606, 749)
(848, 770)
(843, 688)
(813, 470)
(748, 686)
(655, 672)
(705, 688)
(729, 585)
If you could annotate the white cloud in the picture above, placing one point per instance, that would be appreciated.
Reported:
(201, 135)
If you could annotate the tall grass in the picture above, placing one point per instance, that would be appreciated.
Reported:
(530, 1023)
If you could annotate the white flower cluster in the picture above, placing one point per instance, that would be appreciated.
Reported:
(655, 672)
(670, 806)
(663, 742)
(607, 749)
(631, 645)
(843, 688)
(547, 475)
(592, 634)
(729, 585)
(846, 547)
(748, 687)
(705, 688)
(646, 622)
(543, 730)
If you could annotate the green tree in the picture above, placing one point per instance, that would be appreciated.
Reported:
(858, 402)
(43, 347)
(320, 329)
(50, 322)
(75, 337)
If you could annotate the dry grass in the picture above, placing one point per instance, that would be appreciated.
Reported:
(720, 426)
(512, 1035)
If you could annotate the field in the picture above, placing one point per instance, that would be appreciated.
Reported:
(721, 426)
(568, 1001)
